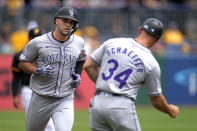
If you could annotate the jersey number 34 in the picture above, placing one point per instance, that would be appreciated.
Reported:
(120, 77)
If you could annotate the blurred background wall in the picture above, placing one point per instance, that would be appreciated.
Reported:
(100, 20)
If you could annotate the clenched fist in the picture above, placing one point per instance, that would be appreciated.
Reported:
(174, 111)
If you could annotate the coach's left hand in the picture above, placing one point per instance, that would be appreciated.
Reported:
(76, 80)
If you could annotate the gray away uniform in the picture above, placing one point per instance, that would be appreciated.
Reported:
(52, 93)
(125, 67)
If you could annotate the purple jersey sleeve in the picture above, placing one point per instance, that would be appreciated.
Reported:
(30, 52)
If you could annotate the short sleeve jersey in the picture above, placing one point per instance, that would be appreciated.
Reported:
(125, 66)
(45, 50)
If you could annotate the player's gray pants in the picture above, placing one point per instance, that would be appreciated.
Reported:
(113, 113)
(42, 108)
(26, 94)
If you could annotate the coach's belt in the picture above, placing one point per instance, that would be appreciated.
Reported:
(98, 92)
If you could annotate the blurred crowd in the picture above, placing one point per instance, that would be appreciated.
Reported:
(13, 42)
(176, 40)
(152, 4)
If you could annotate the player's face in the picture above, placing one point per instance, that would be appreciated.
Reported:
(64, 26)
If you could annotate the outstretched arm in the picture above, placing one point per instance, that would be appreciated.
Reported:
(91, 69)
(160, 103)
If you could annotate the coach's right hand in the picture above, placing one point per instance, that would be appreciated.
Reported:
(45, 71)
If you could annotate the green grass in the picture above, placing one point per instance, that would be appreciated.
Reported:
(150, 119)
(12, 121)
(153, 120)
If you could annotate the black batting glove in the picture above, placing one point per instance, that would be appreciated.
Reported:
(76, 80)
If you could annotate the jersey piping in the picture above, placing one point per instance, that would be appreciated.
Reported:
(66, 43)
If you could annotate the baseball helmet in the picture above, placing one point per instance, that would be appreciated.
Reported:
(34, 33)
(153, 26)
(67, 12)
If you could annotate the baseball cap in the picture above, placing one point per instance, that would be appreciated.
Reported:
(153, 26)
(34, 33)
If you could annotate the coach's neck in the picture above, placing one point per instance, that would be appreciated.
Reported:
(145, 39)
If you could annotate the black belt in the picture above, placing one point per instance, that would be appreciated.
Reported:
(50, 97)
(98, 92)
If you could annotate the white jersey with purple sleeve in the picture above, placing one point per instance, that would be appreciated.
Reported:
(45, 50)
(125, 67)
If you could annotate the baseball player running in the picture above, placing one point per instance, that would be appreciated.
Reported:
(21, 80)
(125, 65)
(58, 57)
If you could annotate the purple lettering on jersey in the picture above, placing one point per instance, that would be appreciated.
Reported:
(49, 58)
(113, 50)
(72, 58)
(65, 56)
(137, 59)
(134, 56)
(118, 49)
(111, 70)
(120, 77)
(108, 52)
(58, 58)
(130, 53)
(124, 51)
(137, 64)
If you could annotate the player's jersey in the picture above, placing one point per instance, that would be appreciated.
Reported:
(45, 50)
(125, 67)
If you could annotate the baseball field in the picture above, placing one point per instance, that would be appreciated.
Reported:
(150, 119)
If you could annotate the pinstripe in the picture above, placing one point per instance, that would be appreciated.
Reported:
(58, 67)
(134, 116)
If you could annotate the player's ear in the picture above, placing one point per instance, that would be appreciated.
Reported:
(55, 21)
(139, 30)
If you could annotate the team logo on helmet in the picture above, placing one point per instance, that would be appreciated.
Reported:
(146, 26)
(152, 30)
(71, 12)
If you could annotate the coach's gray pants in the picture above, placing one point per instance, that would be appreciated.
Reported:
(113, 113)
(42, 108)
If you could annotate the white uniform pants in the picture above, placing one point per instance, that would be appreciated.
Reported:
(42, 108)
(113, 113)
(26, 94)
